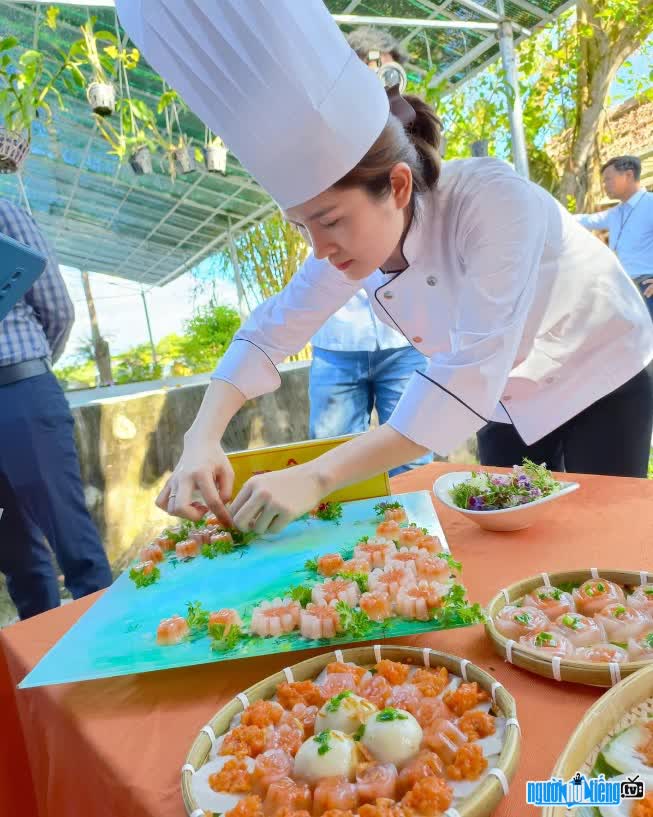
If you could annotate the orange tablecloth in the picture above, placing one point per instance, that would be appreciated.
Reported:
(114, 748)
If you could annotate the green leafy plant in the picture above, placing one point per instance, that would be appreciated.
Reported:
(142, 579)
(355, 623)
(221, 642)
(301, 593)
(328, 511)
(96, 48)
(360, 579)
(197, 617)
(27, 83)
(456, 610)
(382, 507)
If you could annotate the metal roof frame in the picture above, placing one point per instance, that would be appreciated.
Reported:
(150, 230)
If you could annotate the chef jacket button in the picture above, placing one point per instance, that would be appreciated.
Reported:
(417, 339)
(507, 397)
(388, 294)
(431, 280)
(550, 380)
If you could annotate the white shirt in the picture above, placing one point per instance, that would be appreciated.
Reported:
(631, 231)
(355, 328)
(525, 316)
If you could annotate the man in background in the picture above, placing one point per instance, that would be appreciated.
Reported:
(360, 363)
(40, 485)
(629, 224)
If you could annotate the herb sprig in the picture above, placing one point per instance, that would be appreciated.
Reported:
(486, 492)
(142, 579)
(355, 623)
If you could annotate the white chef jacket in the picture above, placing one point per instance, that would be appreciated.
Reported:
(526, 317)
(355, 328)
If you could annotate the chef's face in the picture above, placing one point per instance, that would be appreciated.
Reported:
(353, 230)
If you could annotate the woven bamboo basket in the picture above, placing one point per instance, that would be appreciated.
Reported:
(598, 722)
(480, 803)
(568, 669)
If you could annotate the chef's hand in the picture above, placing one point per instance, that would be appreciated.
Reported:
(204, 468)
(648, 292)
(269, 502)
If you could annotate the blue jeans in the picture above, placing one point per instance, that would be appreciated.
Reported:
(344, 387)
(43, 498)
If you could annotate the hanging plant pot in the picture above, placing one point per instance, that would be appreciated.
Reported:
(14, 147)
(141, 161)
(102, 98)
(184, 158)
(480, 147)
(215, 157)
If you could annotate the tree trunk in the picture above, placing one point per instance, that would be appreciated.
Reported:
(600, 57)
(100, 346)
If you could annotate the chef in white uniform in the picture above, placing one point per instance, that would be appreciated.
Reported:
(535, 334)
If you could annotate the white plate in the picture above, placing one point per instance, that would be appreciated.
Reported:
(517, 518)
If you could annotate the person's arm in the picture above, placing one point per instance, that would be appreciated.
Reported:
(277, 328)
(594, 221)
(501, 237)
(48, 297)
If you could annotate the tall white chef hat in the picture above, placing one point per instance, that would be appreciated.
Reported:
(274, 78)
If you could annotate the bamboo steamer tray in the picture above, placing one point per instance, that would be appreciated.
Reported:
(480, 803)
(595, 727)
(567, 669)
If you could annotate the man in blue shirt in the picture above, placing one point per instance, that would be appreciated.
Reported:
(41, 491)
(360, 363)
(630, 224)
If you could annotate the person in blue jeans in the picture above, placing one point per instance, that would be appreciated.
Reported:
(41, 491)
(358, 364)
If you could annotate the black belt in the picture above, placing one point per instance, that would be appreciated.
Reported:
(21, 371)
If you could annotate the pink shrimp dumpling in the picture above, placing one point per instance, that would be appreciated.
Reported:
(595, 594)
(376, 551)
(433, 569)
(391, 579)
(548, 642)
(171, 631)
(601, 654)
(514, 622)
(319, 621)
(227, 618)
(377, 605)
(621, 622)
(376, 780)
(642, 598)
(356, 566)
(551, 601)
(334, 590)
(188, 549)
(580, 630)
(275, 617)
(406, 557)
(151, 553)
(641, 648)
(418, 602)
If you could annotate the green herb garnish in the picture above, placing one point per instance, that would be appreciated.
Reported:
(618, 611)
(649, 640)
(552, 593)
(358, 734)
(544, 639)
(360, 579)
(453, 564)
(197, 617)
(382, 507)
(648, 591)
(141, 579)
(221, 548)
(488, 492)
(354, 623)
(311, 565)
(455, 610)
(600, 587)
(523, 618)
(180, 535)
(323, 741)
(329, 511)
(301, 593)
(220, 641)
(390, 714)
(570, 621)
(334, 704)
(364, 540)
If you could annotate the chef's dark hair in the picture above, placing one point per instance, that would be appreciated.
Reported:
(417, 144)
(624, 163)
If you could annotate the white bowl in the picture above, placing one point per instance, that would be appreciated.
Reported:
(517, 518)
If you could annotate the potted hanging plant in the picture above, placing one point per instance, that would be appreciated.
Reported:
(93, 48)
(215, 154)
(27, 84)
(136, 138)
(181, 155)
